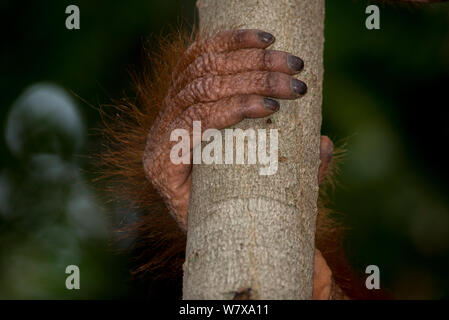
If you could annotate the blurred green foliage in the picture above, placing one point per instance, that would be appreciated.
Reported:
(385, 95)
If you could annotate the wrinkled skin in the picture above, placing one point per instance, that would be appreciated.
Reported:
(220, 81)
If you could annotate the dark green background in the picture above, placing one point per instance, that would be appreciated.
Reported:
(385, 94)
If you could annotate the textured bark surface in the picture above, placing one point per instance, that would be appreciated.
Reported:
(251, 231)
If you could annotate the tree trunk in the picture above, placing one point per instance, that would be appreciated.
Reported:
(250, 231)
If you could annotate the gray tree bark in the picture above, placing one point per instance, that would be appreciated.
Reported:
(245, 230)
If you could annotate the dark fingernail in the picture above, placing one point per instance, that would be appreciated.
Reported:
(265, 37)
(271, 104)
(295, 63)
(298, 87)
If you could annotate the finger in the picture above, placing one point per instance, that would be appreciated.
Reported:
(213, 88)
(326, 153)
(322, 278)
(229, 111)
(224, 41)
(237, 62)
(218, 115)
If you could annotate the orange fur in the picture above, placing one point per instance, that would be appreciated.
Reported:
(158, 243)
(329, 238)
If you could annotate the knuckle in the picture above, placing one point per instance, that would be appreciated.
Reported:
(243, 100)
(239, 36)
(213, 43)
(199, 87)
(243, 104)
(211, 87)
(209, 62)
(203, 89)
(203, 64)
(197, 66)
(266, 59)
(271, 81)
